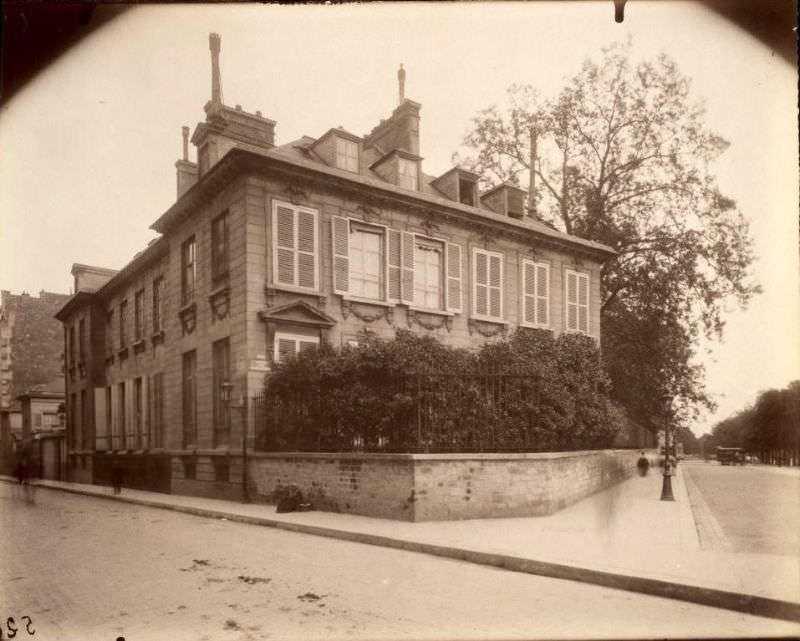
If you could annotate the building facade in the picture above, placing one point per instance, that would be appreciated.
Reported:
(43, 437)
(272, 248)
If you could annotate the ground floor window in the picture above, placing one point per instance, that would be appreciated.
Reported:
(287, 345)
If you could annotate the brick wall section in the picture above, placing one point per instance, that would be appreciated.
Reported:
(431, 487)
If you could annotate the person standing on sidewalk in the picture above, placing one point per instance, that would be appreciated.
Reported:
(116, 476)
(643, 465)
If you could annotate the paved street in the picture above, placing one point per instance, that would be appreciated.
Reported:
(87, 568)
(757, 507)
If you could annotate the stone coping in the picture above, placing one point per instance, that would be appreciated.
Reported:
(375, 456)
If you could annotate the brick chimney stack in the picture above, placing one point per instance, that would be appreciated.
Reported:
(401, 81)
(187, 173)
(214, 43)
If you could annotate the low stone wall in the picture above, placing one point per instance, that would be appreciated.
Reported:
(429, 487)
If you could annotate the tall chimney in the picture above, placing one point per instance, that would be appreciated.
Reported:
(185, 131)
(401, 81)
(532, 168)
(216, 81)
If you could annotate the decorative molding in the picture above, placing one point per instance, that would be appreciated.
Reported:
(296, 193)
(139, 346)
(376, 312)
(429, 321)
(428, 224)
(188, 317)
(220, 301)
(488, 329)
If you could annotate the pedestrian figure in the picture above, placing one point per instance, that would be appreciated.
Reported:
(643, 465)
(116, 476)
(23, 477)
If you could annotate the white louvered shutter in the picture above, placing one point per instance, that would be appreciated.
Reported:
(529, 292)
(454, 278)
(304, 344)
(284, 245)
(394, 262)
(495, 286)
(480, 280)
(286, 348)
(306, 249)
(100, 426)
(340, 235)
(583, 303)
(572, 301)
(542, 294)
(407, 268)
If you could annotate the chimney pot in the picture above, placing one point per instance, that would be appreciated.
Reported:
(214, 44)
(238, 107)
(258, 113)
(401, 81)
(185, 131)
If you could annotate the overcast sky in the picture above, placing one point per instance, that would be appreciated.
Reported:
(88, 148)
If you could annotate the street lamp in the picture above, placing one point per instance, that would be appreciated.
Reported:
(666, 486)
(227, 389)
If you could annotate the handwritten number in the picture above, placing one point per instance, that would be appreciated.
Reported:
(12, 630)
(28, 627)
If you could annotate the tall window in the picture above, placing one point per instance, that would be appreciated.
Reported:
(188, 270)
(157, 409)
(487, 284)
(123, 321)
(73, 422)
(577, 301)
(287, 345)
(346, 154)
(158, 302)
(82, 341)
(221, 356)
(408, 173)
(138, 308)
(428, 273)
(138, 412)
(72, 354)
(86, 431)
(109, 419)
(110, 332)
(189, 399)
(219, 248)
(295, 253)
(535, 293)
(366, 261)
(122, 423)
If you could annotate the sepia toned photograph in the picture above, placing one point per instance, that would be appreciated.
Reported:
(399, 321)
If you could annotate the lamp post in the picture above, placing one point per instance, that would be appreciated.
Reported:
(666, 486)
(227, 388)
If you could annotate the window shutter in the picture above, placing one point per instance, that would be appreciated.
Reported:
(542, 294)
(529, 292)
(583, 303)
(407, 268)
(146, 412)
(129, 424)
(100, 427)
(495, 286)
(306, 249)
(286, 349)
(114, 427)
(480, 281)
(454, 277)
(307, 344)
(572, 301)
(340, 234)
(394, 264)
(283, 231)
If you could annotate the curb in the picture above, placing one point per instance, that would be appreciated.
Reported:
(737, 602)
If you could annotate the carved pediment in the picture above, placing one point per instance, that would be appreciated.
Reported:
(297, 312)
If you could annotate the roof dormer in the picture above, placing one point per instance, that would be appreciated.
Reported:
(400, 168)
(341, 149)
(505, 199)
(459, 185)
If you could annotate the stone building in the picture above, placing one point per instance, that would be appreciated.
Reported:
(42, 427)
(272, 248)
(31, 347)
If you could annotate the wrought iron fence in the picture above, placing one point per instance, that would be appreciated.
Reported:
(489, 412)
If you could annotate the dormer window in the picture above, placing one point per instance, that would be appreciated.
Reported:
(467, 191)
(346, 154)
(408, 173)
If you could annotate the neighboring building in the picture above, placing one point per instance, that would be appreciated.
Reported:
(31, 348)
(31, 343)
(270, 249)
(43, 427)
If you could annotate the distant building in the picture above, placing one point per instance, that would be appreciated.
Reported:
(31, 348)
(42, 409)
(272, 248)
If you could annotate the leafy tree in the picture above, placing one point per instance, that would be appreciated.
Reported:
(622, 156)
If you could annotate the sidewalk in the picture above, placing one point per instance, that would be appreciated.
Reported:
(624, 537)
